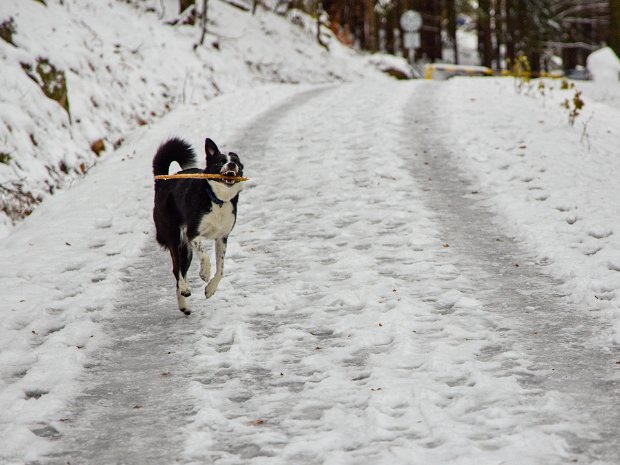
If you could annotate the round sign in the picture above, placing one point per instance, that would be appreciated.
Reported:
(411, 21)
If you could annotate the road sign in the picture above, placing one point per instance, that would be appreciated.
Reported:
(411, 21)
(411, 40)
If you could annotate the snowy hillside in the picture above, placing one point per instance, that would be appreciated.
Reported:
(123, 67)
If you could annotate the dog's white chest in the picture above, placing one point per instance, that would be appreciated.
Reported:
(218, 222)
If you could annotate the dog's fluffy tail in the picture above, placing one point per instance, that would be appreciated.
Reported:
(174, 149)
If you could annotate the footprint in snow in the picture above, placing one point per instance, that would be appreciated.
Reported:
(613, 266)
(19, 374)
(47, 431)
(73, 267)
(100, 275)
(103, 223)
(590, 249)
(600, 233)
(35, 393)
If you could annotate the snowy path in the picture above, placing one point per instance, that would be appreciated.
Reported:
(132, 407)
(345, 332)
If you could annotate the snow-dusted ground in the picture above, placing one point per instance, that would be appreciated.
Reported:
(554, 186)
(361, 319)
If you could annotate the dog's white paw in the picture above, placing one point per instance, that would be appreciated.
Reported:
(183, 288)
(204, 274)
(182, 303)
(211, 287)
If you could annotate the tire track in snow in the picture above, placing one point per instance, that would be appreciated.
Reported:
(557, 336)
(133, 405)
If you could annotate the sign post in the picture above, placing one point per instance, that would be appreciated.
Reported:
(411, 22)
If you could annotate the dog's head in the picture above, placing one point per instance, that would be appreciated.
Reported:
(224, 164)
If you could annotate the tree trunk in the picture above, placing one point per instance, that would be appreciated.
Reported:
(500, 9)
(485, 43)
(451, 14)
(390, 25)
(205, 4)
(614, 25)
(370, 25)
(509, 32)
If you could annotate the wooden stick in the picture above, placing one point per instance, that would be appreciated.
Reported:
(200, 176)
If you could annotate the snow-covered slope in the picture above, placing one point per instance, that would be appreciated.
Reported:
(123, 67)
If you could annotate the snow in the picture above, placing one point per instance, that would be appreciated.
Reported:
(554, 185)
(391, 63)
(604, 66)
(346, 329)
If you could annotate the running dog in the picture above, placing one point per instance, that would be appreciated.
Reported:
(188, 211)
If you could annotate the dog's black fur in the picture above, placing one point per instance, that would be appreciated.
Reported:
(190, 210)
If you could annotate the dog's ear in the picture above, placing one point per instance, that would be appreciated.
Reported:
(210, 148)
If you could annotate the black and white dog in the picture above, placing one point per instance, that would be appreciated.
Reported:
(187, 211)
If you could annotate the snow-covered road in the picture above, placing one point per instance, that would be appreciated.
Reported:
(372, 311)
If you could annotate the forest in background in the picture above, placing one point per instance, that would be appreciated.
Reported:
(505, 29)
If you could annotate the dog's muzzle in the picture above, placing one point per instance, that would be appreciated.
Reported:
(230, 174)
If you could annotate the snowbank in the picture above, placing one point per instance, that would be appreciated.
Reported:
(393, 65)
(604, 66)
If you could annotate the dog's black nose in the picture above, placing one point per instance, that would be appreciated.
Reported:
(230, 166)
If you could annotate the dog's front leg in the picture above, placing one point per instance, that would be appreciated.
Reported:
(203, 255)
(220, 253)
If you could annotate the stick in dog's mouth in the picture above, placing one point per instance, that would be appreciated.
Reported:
(231, 175)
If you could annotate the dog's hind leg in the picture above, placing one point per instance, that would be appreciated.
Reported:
(179, 260)
(220, 253)
(203, 255)
(185, 259)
